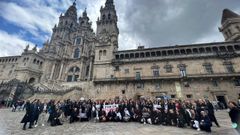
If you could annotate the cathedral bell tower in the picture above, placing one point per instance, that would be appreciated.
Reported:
(230, 25)
(107, 33)
(67, 23)
(108, 19)
(107, 41)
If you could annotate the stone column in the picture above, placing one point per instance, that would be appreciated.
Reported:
(60, 73)
(53, 68)
(90, 69)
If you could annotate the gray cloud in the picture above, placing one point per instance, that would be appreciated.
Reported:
(151, 23)
(170, 22)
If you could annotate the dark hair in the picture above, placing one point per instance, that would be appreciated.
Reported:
(234, 103)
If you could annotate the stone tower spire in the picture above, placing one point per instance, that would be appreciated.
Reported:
(108, 19)
(72, 11)
(107, 34)
(67, 23)
(109, 4)
(230, 25)
(84, 20)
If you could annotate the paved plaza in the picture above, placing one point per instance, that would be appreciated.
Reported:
(10, 125)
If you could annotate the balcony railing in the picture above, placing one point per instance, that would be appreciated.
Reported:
(167, 77)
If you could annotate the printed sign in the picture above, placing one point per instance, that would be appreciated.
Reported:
(107, 108)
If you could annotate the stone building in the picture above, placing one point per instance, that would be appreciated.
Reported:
(78, 58)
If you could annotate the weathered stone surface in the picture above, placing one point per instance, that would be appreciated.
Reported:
(10, 125)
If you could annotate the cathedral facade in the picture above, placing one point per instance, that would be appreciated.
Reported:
(77, 58)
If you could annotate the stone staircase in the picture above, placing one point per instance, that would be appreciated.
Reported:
(44, 92)
(16, 90)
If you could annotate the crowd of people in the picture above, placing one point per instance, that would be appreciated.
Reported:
(198, 115)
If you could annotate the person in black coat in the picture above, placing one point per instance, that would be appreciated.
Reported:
(52, 113)
(56, 121)
(165, 118)
(180, 119)
(234, 114)
(111, 115)
(28, 116)
(74, 115)
(205, 122)
(137, 114)
(172, 117)
(211, 114)
(36, 112)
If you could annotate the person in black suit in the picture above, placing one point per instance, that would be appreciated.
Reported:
(28, 116)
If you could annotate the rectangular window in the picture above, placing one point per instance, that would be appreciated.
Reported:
(215, 83)
(173, 96)
(138, 76)
(155, 72)
(230, 68)
(126, 71)
(69, 78)
(208, 68)
(189, 96)
(237, 82)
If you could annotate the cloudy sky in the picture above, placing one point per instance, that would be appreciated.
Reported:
(151, 23)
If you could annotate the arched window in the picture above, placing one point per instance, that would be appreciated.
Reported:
(104, 52)
(73, 74)
(77, 69)
(77, 41)
(109, 16)
(100, 54)
(76, 53)
(103, 17)
(31, 80)
(87, 70)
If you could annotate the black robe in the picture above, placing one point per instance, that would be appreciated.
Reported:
(28, 117)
